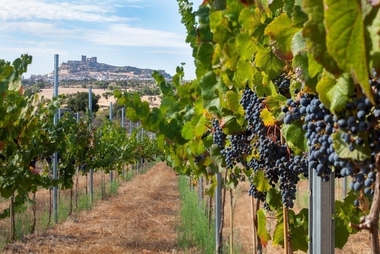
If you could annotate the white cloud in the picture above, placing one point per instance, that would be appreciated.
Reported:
(34, 51)
(37, 9)
(40, 29)
(124, 35)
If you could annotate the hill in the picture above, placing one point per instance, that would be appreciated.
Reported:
(91, 68)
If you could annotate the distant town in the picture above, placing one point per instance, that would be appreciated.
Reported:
(90, 69)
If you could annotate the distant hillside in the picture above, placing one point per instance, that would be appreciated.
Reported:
(90, 67)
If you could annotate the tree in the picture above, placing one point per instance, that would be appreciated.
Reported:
(79, 102)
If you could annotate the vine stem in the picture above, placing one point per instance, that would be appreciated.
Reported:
(231, 222)
(257, 247)
(370, 222)
(287, 242)
(12, 216)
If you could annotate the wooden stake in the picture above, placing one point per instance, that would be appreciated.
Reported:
(231, 222)
(12, 216)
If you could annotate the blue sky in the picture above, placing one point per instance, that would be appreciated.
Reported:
(140, 33)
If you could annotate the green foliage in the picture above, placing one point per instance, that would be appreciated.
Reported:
(326, 48)
(78, 102)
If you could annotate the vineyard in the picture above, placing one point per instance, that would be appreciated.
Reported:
(285, 91)
(44, 147)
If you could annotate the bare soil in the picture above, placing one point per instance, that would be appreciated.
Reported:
(142, 219)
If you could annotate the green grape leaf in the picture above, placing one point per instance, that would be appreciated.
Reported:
(278, 234)
(359, 153)
(315, 33)
(335, 94)
(273, 199)
(216, 156)
(260, 181)
(251, 21)
(197, 148)
(232, 100)
(298, 44)
(274, 103)
(208, 83)
(374, 34)
(299, 230)
(268, 62)
(281, 32)
(342, 237)
(132, 115)
(301, 65)
(346, 211)
(314, 67)
(295, 137)
(231, 54)
(262, 228)
(143, 109)
(201, 127)
(231, 125)
(244, 71)
(345, 40)
(187, 131)
(246, 46)
(205, 53)
(219, 27)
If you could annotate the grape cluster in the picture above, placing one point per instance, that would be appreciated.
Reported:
(252, 106)
(218, 136)
(237, 150)
(283, 84)
(274, 158)
(256, 193)
(356, 127)
(319, 125)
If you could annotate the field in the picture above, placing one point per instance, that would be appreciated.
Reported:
(142, 219)
(48, 93)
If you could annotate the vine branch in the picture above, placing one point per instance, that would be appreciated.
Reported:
(370, 222)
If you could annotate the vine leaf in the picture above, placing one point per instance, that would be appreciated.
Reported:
(262, 228)
(187, 131)
(345, 40)
(231, 125)
(278, 234)
(267, 117)
(299, 230)
(360, 153)
(246, 46)
(274, 103)
(260, 181)
(281, 33)
(374, 33)
(216, 156)
(273, 199)
(315, 33)
(345, 213)
(334, 94)
(268, 62)
(232, 99)
(295, 137)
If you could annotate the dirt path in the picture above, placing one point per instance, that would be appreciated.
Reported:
(140, 219)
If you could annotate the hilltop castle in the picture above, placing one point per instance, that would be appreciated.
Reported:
(84, 60)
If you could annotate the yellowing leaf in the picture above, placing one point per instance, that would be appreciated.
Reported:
(267, 117)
